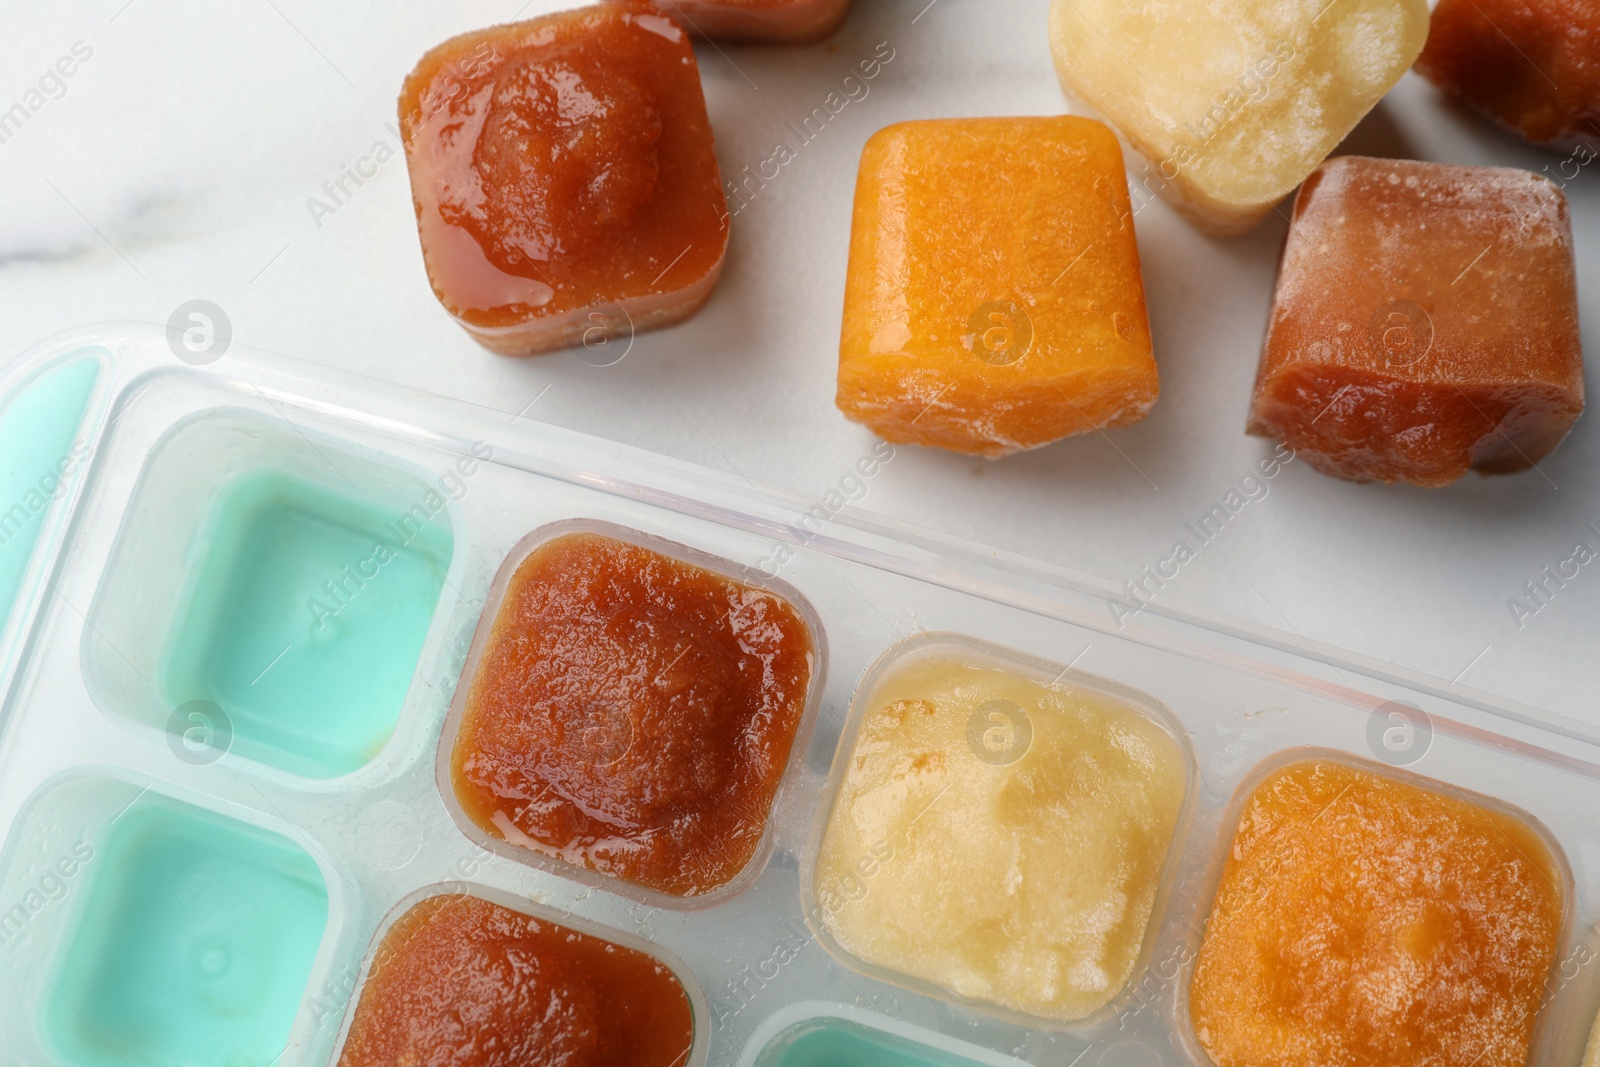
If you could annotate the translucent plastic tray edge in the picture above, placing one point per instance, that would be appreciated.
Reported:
(790, 518)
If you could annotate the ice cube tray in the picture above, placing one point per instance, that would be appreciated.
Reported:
(181, 722)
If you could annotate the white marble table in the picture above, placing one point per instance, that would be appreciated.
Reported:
(196, 148)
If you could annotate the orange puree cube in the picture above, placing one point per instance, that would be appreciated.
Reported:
(1364, 920)
(787, 21)
(1425, 322)
(564, 178)
(1531, 65)
(994, 301)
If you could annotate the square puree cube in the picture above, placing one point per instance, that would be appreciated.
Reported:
(459, 981)
(1532, 65)
(780, 21)
(1425, 322)
(999, 835)
(564, 178)
(994, 301)
(1232, 102)
(632, 714)
(1363, 919)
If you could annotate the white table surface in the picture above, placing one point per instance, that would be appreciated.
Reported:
(181, 158)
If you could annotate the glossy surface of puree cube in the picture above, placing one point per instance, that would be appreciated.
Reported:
(564, 178)
(1425, 322)
(1532, 65)
(1232, 102)
(994, 301)
(459, 981)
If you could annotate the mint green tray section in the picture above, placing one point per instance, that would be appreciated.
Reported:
(308, 612)
(41, 456)
(837, 1043)
(195, 944)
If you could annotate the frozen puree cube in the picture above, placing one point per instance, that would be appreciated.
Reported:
(564, 178)
(1533, 65)
(786, 21)
(1364, 920)
(1232, 102)
(459, 981)
(1000, 836)
(633, 714)
(1425, 321)
(994, 301)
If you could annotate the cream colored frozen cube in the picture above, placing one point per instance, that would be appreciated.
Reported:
(1232, 102)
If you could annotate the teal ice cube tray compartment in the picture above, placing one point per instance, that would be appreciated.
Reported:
(236, 601)
(279, 584)
(822, 1034)
(194, 939)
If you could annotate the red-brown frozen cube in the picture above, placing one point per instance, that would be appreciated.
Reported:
(1425, 322)
(1532, 65)
(779, 21)
(564, 178)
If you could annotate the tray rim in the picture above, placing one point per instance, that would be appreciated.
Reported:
(549, 450)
